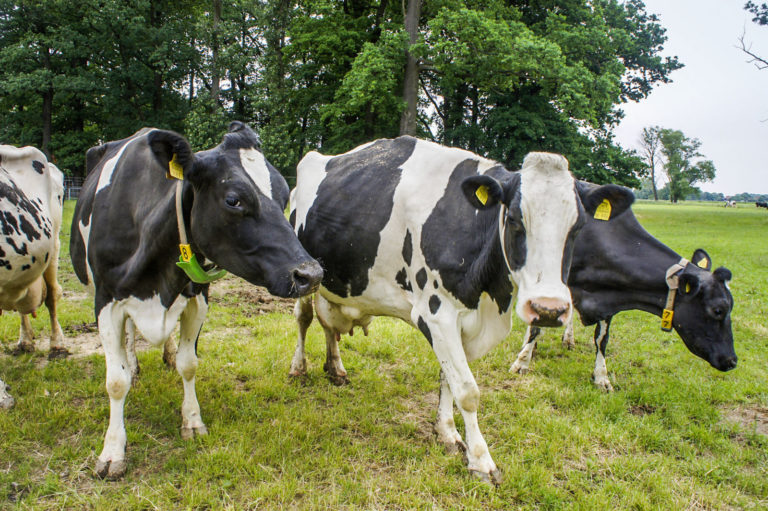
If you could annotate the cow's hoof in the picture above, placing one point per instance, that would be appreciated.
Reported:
(190, 433)
(21, 348)
(456, 447)
(58, 353)
(297, 373)
(6, 402)
(336, 377)
(603, 384)
(493, 478)
(518, 368)
(568, 343)
(111, 469)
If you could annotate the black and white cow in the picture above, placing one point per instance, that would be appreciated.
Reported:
(444, 240)
(619, 266)
(761, 204)
(125, 241)
(31, 191)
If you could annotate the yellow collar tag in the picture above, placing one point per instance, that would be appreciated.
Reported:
(186, 252)
(175, 170)
(666, 320)
(482, 194)
(603, 211)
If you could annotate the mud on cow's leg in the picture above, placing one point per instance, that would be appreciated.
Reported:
(600, 374)
(130, 350)
(445, 426)
(6, 400)
(569, 341)
(26, 342)
(304, 313)
(186, 364)
(333, 366)
(523, 362)
(52, 297)
(111, 463)
(169, 352)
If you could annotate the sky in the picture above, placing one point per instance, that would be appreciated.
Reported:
(718, 97)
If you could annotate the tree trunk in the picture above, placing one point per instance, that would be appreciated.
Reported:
(47, 108)
(215, 74)
(411, 82)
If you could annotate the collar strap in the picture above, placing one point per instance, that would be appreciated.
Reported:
(672, 283)
(187, 260)
(502, 233)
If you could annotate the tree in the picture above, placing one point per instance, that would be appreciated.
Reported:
(650, 145)
(684, 164)
(760, 13)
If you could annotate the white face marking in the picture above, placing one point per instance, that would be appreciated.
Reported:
(255, 166)
(549, 210)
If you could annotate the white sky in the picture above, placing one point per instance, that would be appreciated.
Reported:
(717, 97)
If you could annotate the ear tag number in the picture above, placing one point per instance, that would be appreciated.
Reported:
(703, 263)
(482, 194)
(603, 211)
(666, 320)
(175, 170)
(186, 252)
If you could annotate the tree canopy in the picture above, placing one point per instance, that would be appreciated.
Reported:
(498, 77)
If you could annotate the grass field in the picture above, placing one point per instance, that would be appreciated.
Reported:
(676, 434)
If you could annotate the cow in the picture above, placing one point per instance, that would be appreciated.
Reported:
(31, 190)
(761, 204)
(729, 204)
(126, 232)
(619, 266)
(444, 240)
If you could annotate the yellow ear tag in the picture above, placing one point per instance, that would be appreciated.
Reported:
(603, 211)
(703, 264)
(482, 194)
(666, 320)
(186, 252)
(687, 288)
(175, 170)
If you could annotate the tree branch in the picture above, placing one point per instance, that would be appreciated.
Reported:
(759, 62)
(431, 99)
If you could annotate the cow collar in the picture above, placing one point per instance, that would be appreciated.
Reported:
(187, 260)
(672, 283)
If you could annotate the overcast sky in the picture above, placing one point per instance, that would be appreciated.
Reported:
(717, 97)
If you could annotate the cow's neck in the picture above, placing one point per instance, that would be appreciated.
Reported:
(490, 272)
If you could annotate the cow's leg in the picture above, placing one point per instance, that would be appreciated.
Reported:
(169, 352)
(26, 336)
(6, 400)
(568, 339)
(186, 364)
(333, 321)
(600, 374)
(111, 462)
(445, 426)
(52, 297)
(523, 361)
(130, 350)
(304, 313)
(447, 345)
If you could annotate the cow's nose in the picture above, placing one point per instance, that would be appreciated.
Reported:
(548, 311)
(727, 362)
(307, 278)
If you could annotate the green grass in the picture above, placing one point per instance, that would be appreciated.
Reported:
(662, 440)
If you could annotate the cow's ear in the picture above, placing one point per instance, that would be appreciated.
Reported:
(688, 284)
(701, 259)
(482, 192)
(604, 202)
(171, 150)
(722, 274)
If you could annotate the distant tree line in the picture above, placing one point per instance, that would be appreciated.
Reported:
(498, 77)
(645, 192)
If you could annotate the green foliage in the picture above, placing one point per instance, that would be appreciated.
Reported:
(683, 164)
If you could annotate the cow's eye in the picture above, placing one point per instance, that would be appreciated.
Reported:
(233, 201)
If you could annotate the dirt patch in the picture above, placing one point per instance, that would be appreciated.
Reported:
(252, 299)
(641, 410)
(751, 418)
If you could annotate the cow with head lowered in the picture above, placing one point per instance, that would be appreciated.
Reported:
(126, 232)
(446, 241)
(619, 266)
(31, 191)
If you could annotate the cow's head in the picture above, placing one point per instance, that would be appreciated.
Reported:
(542, 211)
(702, 315)
(236, 216)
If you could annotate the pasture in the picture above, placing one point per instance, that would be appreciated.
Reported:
(676, 434)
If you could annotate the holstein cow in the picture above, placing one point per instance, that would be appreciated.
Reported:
(761, 204)
(31, 191)
(619, 266)
(125, 241)
(444, 240)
